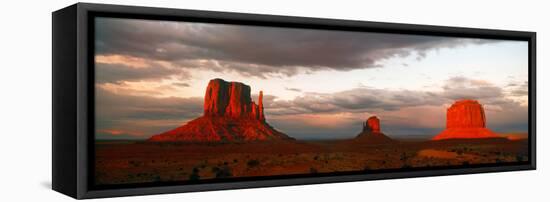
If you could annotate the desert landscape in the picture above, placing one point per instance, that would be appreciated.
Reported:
(181, 102)
(233, 139)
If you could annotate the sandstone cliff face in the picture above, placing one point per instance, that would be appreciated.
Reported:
(231, 99)
(371, 132)
(260, 110)
(465, 119)
(229, 115)
(372, 125)
(466, 114)
(216, 98)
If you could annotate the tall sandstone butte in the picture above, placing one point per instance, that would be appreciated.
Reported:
(231, 99)
(465, 119)
(229, 115)
(371, 132)
(372, 125)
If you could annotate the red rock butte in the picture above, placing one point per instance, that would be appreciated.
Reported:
(372, 133)
(372, 125)
(229, 115)
(465, 120)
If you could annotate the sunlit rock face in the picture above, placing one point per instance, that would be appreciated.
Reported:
(466, 114)
(465, 119)
(230, 99)
(229, 115)
(371, 132)
(372, 125)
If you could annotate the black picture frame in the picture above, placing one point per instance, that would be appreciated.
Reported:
(73, 96)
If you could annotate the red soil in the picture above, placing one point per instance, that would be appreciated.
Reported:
(221, 129)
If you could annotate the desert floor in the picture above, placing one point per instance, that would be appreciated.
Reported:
(123, 162)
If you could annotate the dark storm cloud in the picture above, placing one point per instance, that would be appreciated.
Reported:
(127, 112)
(473, 93)
(460, 87)
(259, 51)
(355, 100)
(366, 99)
(115, 73)
(110, 105)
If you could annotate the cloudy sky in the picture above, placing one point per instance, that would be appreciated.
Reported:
(318, 84)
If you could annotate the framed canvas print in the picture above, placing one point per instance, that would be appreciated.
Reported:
(154, 100)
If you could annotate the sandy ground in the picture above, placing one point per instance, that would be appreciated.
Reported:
(122, 162)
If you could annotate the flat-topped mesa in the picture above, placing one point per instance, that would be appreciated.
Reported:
(372, 125)
(465, 119)
(231, 99)
(466, 114)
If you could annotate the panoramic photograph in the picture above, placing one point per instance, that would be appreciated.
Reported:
(193, 102)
